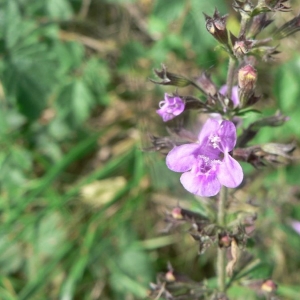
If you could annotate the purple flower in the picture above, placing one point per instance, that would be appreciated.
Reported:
(234, 94)
(207, 165)
(170, 107)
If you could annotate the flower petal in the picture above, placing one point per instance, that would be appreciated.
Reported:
(210, 126)
(227, 134)
(230, 173)
(201, 185)
(234, 94)
(171, 107)
(165, 116)
(182, 158)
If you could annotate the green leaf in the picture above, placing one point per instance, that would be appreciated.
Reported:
(75, 103)
(59, 9)
(12, 24)
(12, 258)
(130, 52)
(97, 77)
(28, 77)
(166, 12)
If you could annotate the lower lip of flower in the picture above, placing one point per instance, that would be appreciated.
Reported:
(205, 166)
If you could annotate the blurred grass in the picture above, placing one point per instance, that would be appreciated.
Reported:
(81, 205)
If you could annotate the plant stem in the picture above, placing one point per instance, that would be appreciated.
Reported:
(221, 274)
(230, 75)
(221, 206)
(221, 251)
(244, 25)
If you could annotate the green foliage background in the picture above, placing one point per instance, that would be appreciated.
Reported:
(81, 205)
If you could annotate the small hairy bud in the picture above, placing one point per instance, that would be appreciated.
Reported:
(169, 78)
(170, 276)
(250, 132)
(224, 240)
(243, 7)
(269, 286)
(176, 213)
(247, 77)
(216, 26)
(241, 46)
(277, 5)
(206, 84)
(270, 5)
(259, 23)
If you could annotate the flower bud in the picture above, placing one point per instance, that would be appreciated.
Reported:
(279, 149)
(162, 144)
(250, 132)
(224, 240)
(170, 107)
(216, 26)
(259, 23)
(176, 213)
(269, 286)
(261, 155)
(169, 78)
(181, 213)
(243, 7)
(206, 84)
(277, 5)
(275, 153)
(247, 77)
(170, 276)
(240, 49)
(276, 120)
(241, 46)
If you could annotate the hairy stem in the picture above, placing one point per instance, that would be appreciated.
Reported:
(221, 251)
(230, 76)
(244, 25)
(221, 207)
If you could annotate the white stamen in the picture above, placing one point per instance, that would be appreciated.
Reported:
(215, 140)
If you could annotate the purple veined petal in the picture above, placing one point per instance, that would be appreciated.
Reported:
(182, 158)
(230, 173)
(209, 127)
(206, 185)
(227, 134)
(206, 149)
